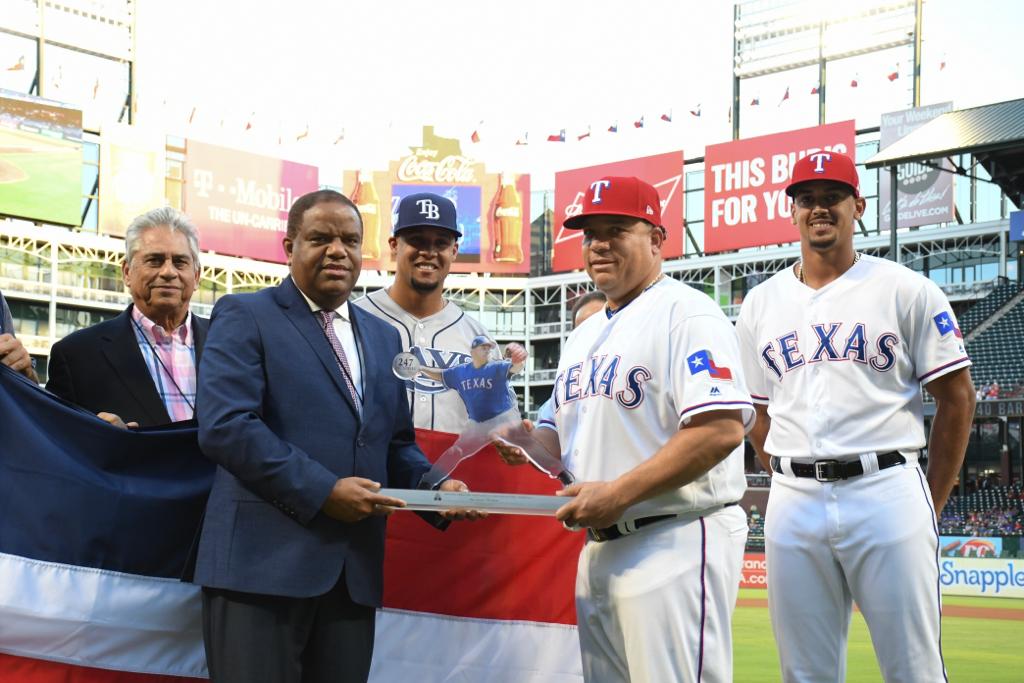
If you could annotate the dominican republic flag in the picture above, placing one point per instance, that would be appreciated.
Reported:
(944, 324)
(490, 600)
(701, 361)
(96, 524)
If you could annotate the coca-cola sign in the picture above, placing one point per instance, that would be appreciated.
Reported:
(428, 166)
(240, 201)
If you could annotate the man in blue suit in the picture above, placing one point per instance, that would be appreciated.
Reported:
(298, 406)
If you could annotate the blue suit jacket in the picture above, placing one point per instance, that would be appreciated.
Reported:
(275, 414)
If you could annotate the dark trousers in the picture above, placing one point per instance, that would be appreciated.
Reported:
(254, 638)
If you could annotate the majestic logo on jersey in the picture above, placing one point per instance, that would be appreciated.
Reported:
(701, 361)
(945, 325)
(832, 343)
(715, 391)
(440, 359)
(598, 379)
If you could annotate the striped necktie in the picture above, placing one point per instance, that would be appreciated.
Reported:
(327, 321)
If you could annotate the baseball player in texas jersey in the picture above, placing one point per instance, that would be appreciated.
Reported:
(835, 351)
(652, 425)
(435, 330)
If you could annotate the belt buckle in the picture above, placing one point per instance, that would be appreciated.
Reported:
(597, 535)
(827, 470)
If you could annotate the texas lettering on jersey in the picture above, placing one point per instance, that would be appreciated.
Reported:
(834, 342)
(599, 381)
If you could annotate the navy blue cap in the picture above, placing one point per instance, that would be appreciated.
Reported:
(480, 340)
(426, 210)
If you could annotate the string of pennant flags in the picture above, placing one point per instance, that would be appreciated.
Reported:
(560, 134)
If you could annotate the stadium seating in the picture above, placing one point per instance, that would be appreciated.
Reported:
(996, 511)
(998, 353)
(986, 306)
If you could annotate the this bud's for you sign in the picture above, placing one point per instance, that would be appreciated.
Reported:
(745, 202)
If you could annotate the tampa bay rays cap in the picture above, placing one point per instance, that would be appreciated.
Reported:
(426, 210)
(619, 196)
(481, 340)
(825, 166)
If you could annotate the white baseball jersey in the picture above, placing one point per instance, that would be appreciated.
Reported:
(439, 341)
(841, 370)
(628, 383)
(841, 367)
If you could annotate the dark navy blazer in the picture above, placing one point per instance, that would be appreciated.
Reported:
(276, 416)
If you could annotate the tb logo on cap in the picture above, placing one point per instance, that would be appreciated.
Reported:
(429, 209)
(819, 159)
(597, 186)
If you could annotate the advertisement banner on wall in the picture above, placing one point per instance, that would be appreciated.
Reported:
(40, 160)
(663, 171)
(132, 171)
(240, 201)
(745, 203)
(970, 546)
(925, 193)
(1017, 226)
(493, 208)
(1002, 578)
(754, 573)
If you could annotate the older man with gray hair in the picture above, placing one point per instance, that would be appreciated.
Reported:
(139, 368)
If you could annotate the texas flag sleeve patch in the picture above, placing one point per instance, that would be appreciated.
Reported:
(945, 325)
(702, 361)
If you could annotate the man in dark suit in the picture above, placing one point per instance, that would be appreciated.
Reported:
(140, 367)
(299, 407)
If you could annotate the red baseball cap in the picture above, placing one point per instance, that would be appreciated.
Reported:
(619, 196)
(825, 166)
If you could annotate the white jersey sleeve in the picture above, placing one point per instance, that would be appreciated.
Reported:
(936, 343)
(546, 416)
(753, 372)
(706, 370)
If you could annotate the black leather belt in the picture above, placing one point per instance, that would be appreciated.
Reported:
(834, 470)
(610, 533)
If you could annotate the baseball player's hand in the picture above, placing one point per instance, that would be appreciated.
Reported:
(516, 353)
(460, 513)
(510, 454)
(355, 498)
(595, 504)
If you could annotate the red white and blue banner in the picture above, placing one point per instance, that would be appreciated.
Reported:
(96, 525)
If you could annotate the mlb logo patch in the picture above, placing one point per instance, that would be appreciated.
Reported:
(702, 361)
(944, 324)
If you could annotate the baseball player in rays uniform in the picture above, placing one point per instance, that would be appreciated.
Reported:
(652, 426)
(435, 330)
(835, 351)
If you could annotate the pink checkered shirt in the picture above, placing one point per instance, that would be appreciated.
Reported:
(174, 374)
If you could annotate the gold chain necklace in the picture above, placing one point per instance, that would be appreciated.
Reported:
(800, 267)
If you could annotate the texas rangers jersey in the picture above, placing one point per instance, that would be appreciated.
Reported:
(439, 341)
(484, 390)
(841, 367)
(627, 383)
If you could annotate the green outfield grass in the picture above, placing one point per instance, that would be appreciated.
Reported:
(975, 649)
(52, 188)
